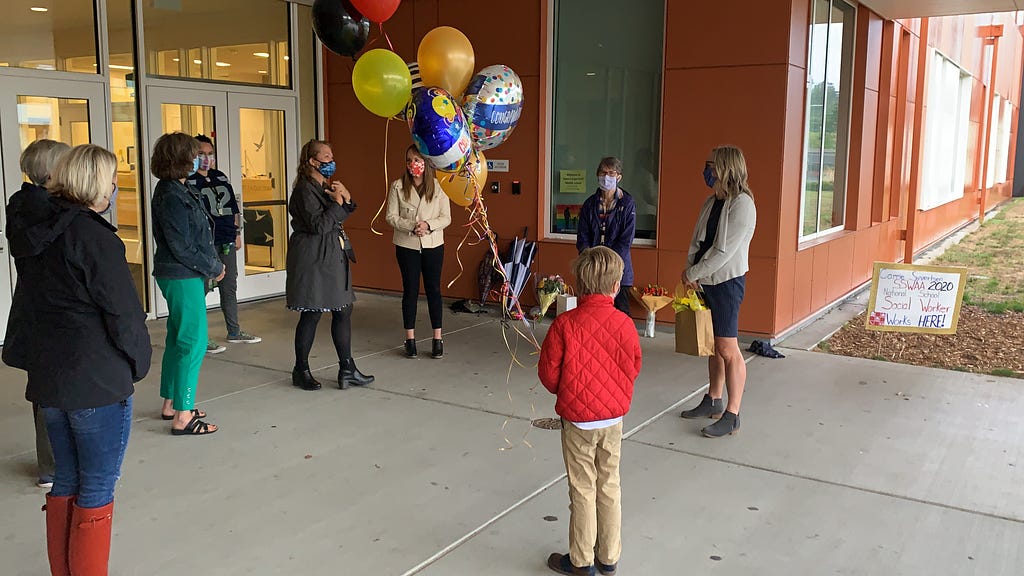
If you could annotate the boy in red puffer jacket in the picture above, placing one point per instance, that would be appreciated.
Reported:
(589, 359)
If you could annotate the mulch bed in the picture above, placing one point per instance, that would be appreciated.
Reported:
(984, 343)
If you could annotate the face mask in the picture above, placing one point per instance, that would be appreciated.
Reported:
(110, 206)
(207, 161)
(327, 169)
(608, 183)
(195, 165)
(417, 168)
(709, 177)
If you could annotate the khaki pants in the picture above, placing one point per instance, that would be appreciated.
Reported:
(595, 497)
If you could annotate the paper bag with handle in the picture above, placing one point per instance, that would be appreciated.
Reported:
(694, 333)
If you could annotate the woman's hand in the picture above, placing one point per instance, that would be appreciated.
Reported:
(422, 228)
(223, 272)
(689, 285)
(339, 193)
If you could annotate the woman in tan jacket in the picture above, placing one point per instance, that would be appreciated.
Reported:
(419, 211)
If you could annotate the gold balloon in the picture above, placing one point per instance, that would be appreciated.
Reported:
(459, 186)
(446, 60)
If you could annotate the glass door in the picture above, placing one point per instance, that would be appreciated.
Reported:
(263, 134)
(35, 109)
(193, 112)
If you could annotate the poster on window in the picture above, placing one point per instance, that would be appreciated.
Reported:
(567, 217)
(911, 298)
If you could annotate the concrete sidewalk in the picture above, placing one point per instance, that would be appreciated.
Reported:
(842, 466)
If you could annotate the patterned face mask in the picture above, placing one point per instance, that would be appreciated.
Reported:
(327, 169)
(416, 167)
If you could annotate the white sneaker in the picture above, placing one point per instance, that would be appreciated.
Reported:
(214, 348)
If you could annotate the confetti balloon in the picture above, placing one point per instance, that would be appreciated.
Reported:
(439, 129)
(492, 104)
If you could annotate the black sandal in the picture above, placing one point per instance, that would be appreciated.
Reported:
(195, 427)
(195, 412)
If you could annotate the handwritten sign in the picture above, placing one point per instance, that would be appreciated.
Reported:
(909, 298)
(572, 181)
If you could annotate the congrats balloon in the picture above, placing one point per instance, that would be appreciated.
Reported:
(492, 104)
(439, 129)
(340, 26)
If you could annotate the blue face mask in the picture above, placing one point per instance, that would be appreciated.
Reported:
(110, 206)
(709, 177)
(195, 165)
(327, 169)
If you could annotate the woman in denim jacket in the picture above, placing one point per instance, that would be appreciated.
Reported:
(185, 261)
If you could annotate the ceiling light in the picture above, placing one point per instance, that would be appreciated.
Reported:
(39, 9)
(262, 54)
(591, 73)
(197, 61)
(175, 59)
(222, 64)
(120, 67)
(261, 71)
(286, 58)
(45, 67)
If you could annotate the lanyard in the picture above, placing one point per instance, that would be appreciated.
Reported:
(605, 215)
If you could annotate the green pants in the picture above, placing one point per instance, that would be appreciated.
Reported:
(186, 340)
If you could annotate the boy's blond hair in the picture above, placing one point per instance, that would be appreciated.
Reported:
(597, 270)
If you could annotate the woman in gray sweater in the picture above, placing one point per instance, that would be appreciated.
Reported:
(717, 264)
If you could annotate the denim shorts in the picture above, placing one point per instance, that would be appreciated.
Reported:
(88, 448)
(724, 301)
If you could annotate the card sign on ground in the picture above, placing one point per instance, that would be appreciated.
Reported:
(909, 298)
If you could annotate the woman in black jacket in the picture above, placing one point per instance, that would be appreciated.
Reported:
(30, 206)
(319, 252)
(184, 262)
(79, 331)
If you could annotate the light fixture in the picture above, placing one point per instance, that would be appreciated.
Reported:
(262, 54)
(591, 73)
(39, 9)
(45, 67)
(197, 61)
(261, 71)
(121, 67)
(175, 59)
(286, 58)
(222, 64)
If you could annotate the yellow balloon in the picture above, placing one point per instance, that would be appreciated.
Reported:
(382, 82)
(459, 185)
(446, 60)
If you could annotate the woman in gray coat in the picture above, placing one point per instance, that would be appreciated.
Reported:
(319, 253)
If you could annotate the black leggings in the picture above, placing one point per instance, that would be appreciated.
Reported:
(412, 263)
(341, 333)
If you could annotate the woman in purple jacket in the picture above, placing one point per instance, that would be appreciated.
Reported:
(608, 218)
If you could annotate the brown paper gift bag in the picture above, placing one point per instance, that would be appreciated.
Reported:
(694, 333)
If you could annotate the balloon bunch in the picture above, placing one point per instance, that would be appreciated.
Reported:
(453, 114)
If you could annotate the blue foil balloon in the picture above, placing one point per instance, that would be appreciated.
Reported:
(439, 129)
(492, 103)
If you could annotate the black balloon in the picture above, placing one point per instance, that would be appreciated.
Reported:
(340, 26)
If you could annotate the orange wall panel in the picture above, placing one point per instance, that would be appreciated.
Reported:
(696, 32)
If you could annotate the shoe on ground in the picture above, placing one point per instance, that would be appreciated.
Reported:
(708, 408)
(45, 481)
(607, 569)
(728, 424)
(244, 338)
(560, 563)
(214, 348)
(437, 348)
(410, 348)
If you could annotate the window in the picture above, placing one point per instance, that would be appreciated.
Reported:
(829, 73)
(203, 40)
(607, 102)
(1002, 147)
(946, 132)
(51, 35)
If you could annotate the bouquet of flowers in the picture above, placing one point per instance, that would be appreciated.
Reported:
(548, 289)
(652, 298)
(687, 299)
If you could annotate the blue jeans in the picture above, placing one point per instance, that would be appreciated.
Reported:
(88, 447)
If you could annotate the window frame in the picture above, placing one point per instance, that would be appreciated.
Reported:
(961, 161)
(843, 133)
